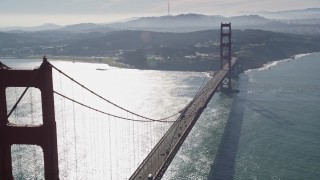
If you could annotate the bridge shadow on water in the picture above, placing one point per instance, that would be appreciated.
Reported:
(223, 166)
(268, 114)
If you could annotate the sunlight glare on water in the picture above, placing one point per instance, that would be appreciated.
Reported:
(96, 146)
(270, 128)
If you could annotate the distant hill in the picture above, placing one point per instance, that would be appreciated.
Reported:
(310, 13)
(188, 22)
(194, 22)
(198, 22)
(164, 50)
(86, 27)
(44, 27)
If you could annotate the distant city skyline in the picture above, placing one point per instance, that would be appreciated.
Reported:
(64, 12)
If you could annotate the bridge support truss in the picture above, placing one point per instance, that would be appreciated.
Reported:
(43, 135)
(225, 54)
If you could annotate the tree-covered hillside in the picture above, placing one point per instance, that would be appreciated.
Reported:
(160, 50)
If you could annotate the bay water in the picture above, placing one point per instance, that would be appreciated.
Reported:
(269, 130)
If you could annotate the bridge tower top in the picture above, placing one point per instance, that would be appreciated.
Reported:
(225, 53)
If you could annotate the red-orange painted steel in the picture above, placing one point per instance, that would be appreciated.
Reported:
(159, 159)
(44, 135)
(225, 53)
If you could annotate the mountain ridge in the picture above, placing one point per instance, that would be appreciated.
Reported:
(191, 20)
(308, 13)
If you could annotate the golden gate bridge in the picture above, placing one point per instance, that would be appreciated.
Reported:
(175, 127)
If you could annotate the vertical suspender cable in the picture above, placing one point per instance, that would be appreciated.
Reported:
(133, 144)
(98, 145)
(123, 166)
(91, 146)
(64, 171)
(110, 151)
(84, 131)
(117, 150)
(75, 135)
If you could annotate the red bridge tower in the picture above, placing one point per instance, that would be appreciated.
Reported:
(44, 135)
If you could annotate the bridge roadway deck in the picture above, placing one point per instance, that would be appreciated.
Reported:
(163, 153)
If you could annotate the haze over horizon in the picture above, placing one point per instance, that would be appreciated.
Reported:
(64, 12)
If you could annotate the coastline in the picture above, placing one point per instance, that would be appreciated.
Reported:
(113, 62)
(270, 64)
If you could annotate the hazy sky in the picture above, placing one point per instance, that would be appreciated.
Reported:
(36, 12)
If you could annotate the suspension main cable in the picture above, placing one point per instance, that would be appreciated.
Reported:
(198, 93)
(103, 112)
(118, 106)
(204, 79)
